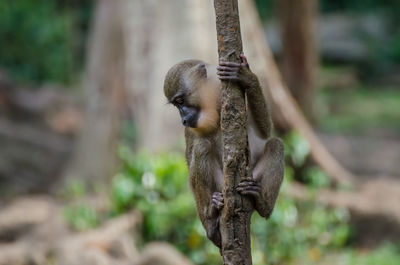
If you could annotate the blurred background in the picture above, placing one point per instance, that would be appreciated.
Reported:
(91, 157)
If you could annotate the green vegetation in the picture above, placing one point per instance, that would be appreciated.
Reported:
(360, 110)
(42, 40)
(381, 57)
(392, 7)
(81, 216)
(158, 187)
(385, 255)
(298, 232)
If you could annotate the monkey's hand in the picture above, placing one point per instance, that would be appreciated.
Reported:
(217, 203)
(251, 187)
(239, 72)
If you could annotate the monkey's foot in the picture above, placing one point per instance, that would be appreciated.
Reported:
(217, 201)
(249, 186)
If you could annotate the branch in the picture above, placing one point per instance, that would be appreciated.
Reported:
(235, 218)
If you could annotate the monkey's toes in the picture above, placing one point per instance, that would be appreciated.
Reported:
(248, 182)
(244, 60)
(218, 200)
(249, 187)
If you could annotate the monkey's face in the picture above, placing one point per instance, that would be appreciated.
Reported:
(186, 86)
(199, 107)
(189, 114)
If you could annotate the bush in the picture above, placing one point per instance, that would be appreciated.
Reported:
(157, 185)
(41, 40)
(298, 232)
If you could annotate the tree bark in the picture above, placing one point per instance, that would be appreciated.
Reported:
(299, 56)
(235, 218)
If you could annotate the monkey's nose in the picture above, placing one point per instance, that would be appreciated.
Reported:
(184, 122)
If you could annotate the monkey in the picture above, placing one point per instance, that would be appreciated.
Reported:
(194, 88)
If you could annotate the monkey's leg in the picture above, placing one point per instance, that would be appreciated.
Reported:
(209, 205)
(212, 223)
(267, 178)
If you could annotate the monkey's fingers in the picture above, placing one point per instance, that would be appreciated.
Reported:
(225, 73)
(227, 69)
(217, 204)
(218, 197)
(248, 183)
(247, 188)
(232, 64)
(244, 60)
(218, 194)
(229, 78)
(251, 193)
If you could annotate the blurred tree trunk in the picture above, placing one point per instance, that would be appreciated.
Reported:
(299, 51)
(132, 46)
(158, 34)
(95, 153)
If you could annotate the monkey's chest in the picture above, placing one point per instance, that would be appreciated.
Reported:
(207, 162)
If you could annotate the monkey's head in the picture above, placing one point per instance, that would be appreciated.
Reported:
(195, 93)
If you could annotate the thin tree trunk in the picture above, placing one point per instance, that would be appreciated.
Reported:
(235, 218)
(299, 56)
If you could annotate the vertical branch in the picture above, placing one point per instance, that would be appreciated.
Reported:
(235, 218)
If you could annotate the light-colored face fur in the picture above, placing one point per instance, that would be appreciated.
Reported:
(209, 95)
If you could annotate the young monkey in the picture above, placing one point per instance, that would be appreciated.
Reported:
(194, 87)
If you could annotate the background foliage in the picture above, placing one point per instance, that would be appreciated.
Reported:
(43, 40)
(298, 231)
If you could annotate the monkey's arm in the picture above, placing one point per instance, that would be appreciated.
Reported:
(209, 201)
(259, 111)
(267, 178)
(209, 205)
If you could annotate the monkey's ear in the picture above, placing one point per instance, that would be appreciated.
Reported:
(200, 70)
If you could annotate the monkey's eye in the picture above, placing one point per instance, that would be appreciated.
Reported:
(178, 101)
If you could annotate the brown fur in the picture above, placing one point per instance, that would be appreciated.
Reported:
(209, 103)
(204, 145)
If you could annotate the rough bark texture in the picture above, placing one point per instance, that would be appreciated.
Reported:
(299, 57)
(235, 218)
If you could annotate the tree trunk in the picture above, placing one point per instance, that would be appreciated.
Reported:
(132, 46)
(158, 34)
(299, 53)
(95, 153)
(235, 218)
